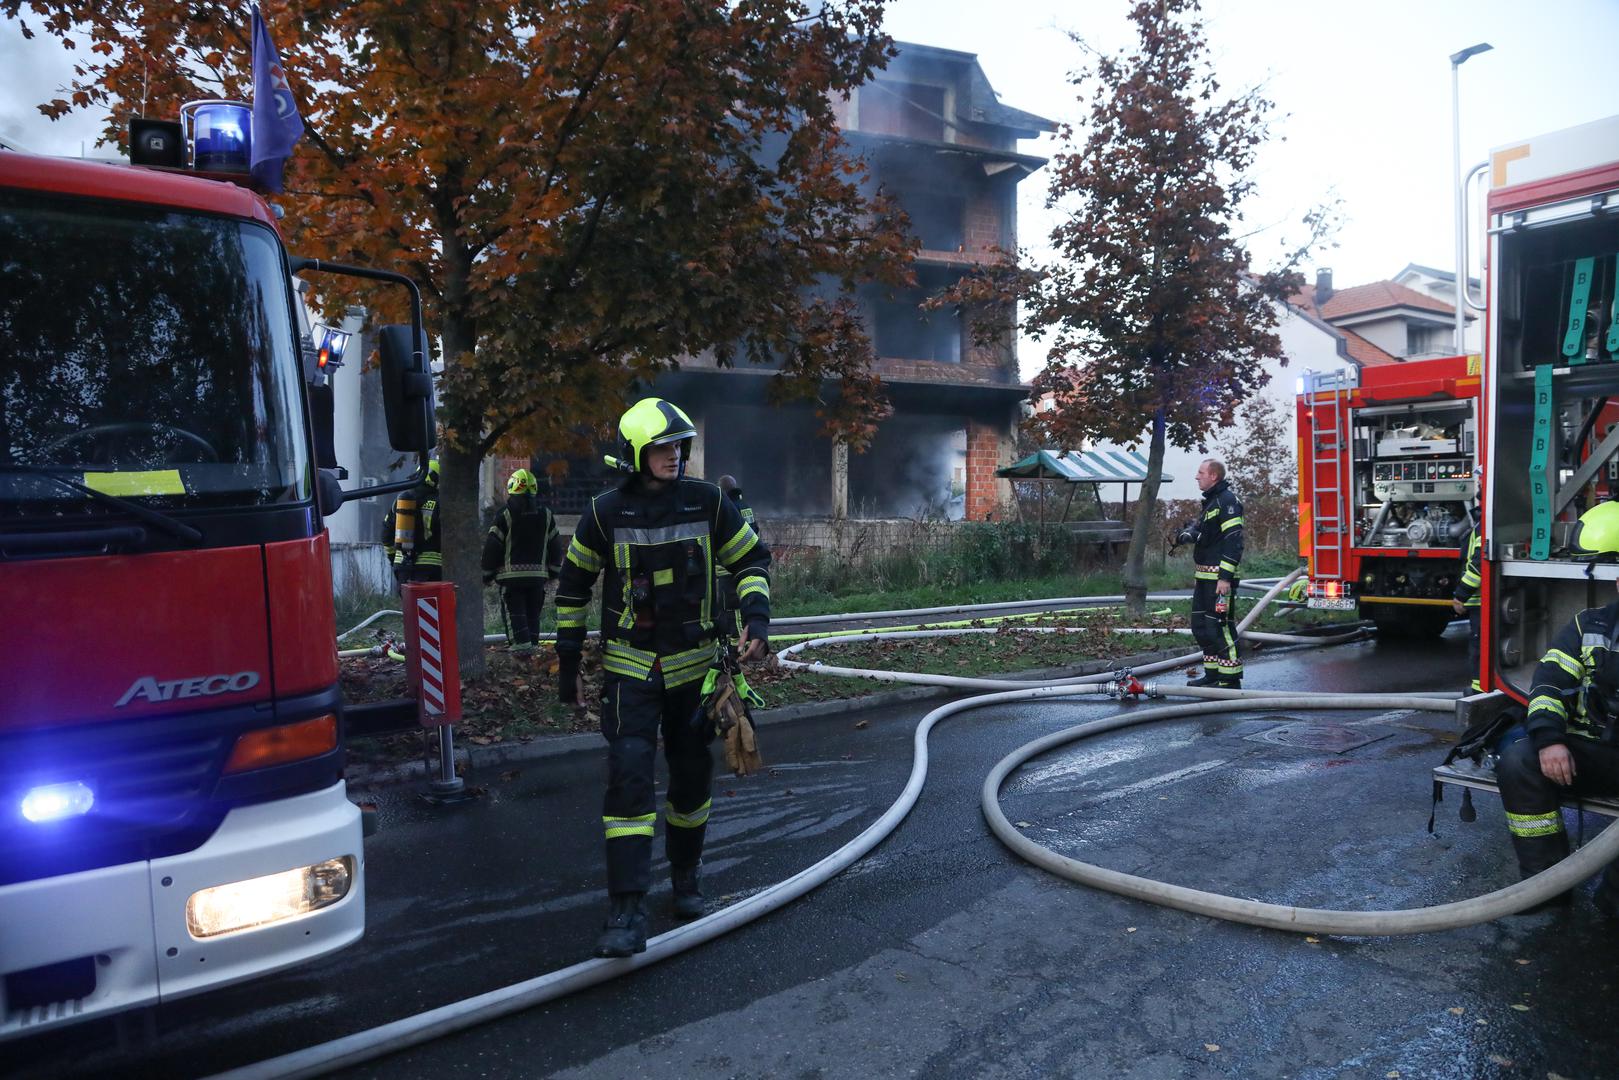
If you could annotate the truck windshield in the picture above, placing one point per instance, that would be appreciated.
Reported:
(146, 354)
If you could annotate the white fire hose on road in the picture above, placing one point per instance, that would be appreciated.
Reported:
(377, 1042)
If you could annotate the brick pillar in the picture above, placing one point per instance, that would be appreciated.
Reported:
(987, 496)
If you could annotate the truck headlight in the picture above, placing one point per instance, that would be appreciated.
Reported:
(259, 901)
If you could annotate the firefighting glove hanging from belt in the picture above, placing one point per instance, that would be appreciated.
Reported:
(726, 697)
(568, 678)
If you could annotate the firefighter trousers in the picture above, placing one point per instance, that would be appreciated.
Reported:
(634, 712)
(525, 599)
(1473, 620)
(1533, 803)
(1216, 634)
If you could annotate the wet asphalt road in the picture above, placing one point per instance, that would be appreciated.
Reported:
(940, 954)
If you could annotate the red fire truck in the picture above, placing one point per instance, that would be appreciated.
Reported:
(1386, 458)
(172, 808)
(1551, 387)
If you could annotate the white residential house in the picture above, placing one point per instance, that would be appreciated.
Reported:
(1441, 286)
(1383, 322)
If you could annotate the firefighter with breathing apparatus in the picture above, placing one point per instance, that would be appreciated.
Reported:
(522, 550)
(418, 553)
(725, 583)
(658, 537)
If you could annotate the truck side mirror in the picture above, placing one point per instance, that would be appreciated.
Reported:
(329, 493)
(407, 390)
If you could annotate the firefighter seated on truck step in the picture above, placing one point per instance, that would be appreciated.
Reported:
(1569, 742)
(657, 537)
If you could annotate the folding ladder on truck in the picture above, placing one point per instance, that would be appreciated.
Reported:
(1326, 396)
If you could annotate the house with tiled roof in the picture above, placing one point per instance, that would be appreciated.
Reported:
(1441, 285)
(1383, 322)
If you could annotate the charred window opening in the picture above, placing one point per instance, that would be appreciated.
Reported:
(902, 329)
(910, 110)
(938, 218)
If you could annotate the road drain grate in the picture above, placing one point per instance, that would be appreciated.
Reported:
(1327, 738)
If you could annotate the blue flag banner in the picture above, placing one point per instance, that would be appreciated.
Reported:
(276, 123)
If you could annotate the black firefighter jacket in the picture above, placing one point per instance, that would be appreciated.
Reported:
(1576, 687)
(657, 554)
(1219, 537)
(523, 545)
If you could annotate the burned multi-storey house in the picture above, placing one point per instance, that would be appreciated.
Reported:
(938, 141)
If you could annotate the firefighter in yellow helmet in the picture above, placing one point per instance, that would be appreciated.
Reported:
(523, 549)
(418, 554)
(657, 537)
(1567, 744)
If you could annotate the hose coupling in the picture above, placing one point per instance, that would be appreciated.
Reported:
(1125, 685)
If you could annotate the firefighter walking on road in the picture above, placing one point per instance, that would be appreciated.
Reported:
(1572, 743)
(1217, 552)
(523, 549)
(657, 537)
(418, 554)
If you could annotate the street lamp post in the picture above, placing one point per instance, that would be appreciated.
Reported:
(1460, 197)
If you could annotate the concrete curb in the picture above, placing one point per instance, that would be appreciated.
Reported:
(470, 759)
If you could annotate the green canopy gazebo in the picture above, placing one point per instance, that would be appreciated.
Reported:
(1075, 467)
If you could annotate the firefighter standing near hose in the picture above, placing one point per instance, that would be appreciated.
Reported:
(1573, 727)
(1217, 552)
(658, 537)
(522, 550)
(418, 554)
(1465, 599)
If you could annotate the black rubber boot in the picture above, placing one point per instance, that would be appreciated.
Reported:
(1537, 853)
(688, 894)
(625, 931)
(1606, 897)
(1231, 682)
(1205, 680)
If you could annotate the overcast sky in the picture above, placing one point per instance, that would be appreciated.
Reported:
(1362, 89)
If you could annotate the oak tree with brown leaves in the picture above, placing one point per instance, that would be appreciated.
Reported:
(587, 191)
(1159, 327)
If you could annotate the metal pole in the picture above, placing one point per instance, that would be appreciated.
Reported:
(1458, 195)
(1458, 199)
(447, 783)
